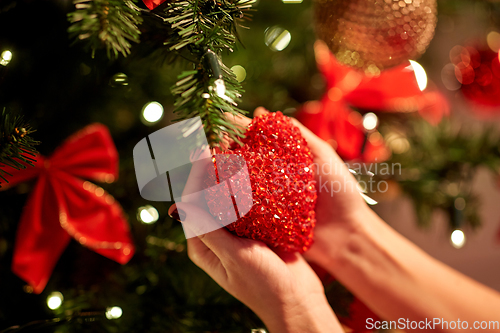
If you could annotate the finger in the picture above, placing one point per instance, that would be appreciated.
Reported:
(204, 258)
(298, 266)
(260, 111)
(199, 252)
(198, 222)
(238, 119)
(318, 146)
(194, 185)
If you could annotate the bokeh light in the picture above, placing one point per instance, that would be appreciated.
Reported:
(493, 40)
(147, 214)
(420, 75)
(5, 57)
(114, 312)
(397, 143)
(449, 78)
(277, 38)
(55, 300)
(240, 72)
(370, 121)
(457, 239)
(152, 112)
(119, 80)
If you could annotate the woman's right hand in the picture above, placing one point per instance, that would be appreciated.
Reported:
(339, 206)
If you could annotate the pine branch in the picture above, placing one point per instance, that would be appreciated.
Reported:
(206, 28)
(112, 24)
(196, 30)
(439, 167)
(16, 146)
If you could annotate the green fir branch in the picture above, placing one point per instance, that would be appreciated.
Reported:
(16, 145)
(112, 24)
(439, 167)
(202, 26)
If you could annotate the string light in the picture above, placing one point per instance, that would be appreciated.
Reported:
(5, 57)
(220, 88)
(419, 74)
(152, 112)
(213, 62)
(55, 300)
(147, 214)
(457, 238)
(114, 312)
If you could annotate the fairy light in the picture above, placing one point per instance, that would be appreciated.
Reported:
(114, 312)
(152, 112)
(147, 214)
(220, 88)
(54, 301)
(457, 239)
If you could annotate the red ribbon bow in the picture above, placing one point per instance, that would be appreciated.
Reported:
(62, 206)
(152, 4)
(394, 90)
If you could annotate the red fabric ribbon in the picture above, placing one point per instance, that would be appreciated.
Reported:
(394, 90)
(62, 206)
(152, 4)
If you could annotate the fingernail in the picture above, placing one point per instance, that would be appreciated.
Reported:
(177, 214)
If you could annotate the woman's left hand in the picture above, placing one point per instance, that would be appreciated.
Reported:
(281, 288)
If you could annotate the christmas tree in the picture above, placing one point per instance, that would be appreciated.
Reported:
(137, 67)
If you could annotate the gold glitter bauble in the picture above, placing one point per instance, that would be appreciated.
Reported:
(372, 35)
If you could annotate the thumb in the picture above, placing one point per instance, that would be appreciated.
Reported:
(199, 223)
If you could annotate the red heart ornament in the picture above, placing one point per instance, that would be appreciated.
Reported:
(281, 168)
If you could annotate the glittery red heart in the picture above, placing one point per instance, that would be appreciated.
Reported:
(281, 173)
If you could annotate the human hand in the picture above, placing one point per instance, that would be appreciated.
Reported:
(281, 288)
(339, 207)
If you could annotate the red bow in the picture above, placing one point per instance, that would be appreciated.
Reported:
(152, 4)
(394, 90)
(62, 206)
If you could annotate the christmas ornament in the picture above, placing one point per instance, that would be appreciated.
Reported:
(478, 70)
(335, 121)
(283, 187)
(373, 35)
(62, 206)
